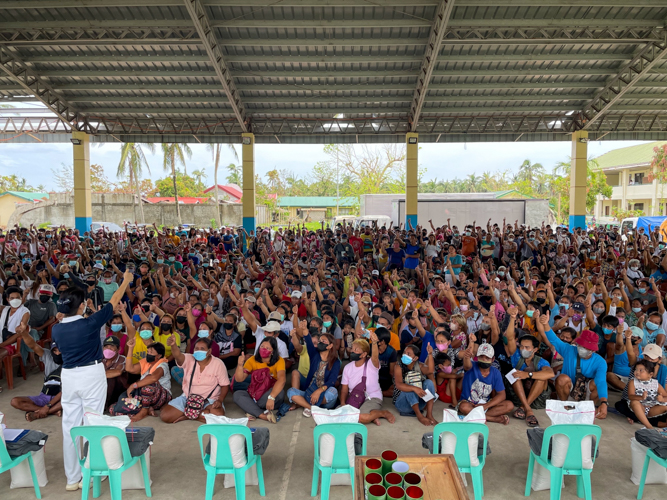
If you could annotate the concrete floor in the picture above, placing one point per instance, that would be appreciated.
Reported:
(177, 471)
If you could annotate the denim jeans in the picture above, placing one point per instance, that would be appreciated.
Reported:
(406, 400)
(327, 398)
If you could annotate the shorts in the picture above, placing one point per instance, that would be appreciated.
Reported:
(442, 393)
(11, 349)
(40, 400)
(622, 378)
(386, 383)
(179, 403)
(370, 405)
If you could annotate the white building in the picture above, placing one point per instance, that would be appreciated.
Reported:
(627, 171)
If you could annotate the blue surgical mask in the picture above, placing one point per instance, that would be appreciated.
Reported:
(199, 355)
(326, 324)
(142, 258)
(282, 317)
(642, 290)
(636, 309)
(405, 359)
(160, 261)
(98, 262)
(565, 306)
(146, 334)
(501, 273)
(172, 259)
(116, 327)
(256, 289)
(72, 263)
(203, 334)
(651, 326)
(529, 313)
(607, 331)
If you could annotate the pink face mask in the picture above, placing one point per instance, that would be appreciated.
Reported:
(463, 307)
(620, 320)
(447, 369)
(196, 313)
(265, 353)
(442, 347)
(108, 353)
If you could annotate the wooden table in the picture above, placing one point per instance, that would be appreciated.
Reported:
(441, 479)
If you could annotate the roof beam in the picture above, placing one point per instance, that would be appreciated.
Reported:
(623, 81)
(210, 42)
(16, 69)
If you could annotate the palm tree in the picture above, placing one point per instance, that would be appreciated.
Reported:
(198, 175)
(530, 171)
(132, 160)
(235, 175)
(471, 183)
(175, 154)
(216, 150)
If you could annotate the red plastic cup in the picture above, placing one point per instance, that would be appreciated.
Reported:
(414, 493)
(388, 458)
(393, 479)
(412, 479)
(372, 465)
(395, 493)
(373, 478)
(376, 491)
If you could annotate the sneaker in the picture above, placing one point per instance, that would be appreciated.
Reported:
(73, 487)
(271, 417)
(250, 417)
(307, 413)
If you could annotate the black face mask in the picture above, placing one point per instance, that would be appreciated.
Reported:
(375, 318)
(150, 357)
(228, 326)
(322, 346)
(483, 365)
(313, 330)
(57, 358)
(146, 308)
(355, 356)
(90, 283)
(181, 319)
(166, 327)
(540, 300)
(44, 299)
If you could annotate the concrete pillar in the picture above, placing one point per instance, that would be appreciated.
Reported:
(248, 156)
(83, 206)
(624, 188)
(411, 179)
(578, 179)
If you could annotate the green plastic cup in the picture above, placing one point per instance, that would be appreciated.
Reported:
(395, 493)
(372, 479)
(376, 492)
(392, 479)
(400, 467)
(388, 459)
(412, 479)
(372, 465)
(414, 493)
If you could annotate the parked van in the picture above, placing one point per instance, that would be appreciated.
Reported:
(368, 220)
(633, 224)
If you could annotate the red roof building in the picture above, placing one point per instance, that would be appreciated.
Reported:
(229, 192)
(183, 200)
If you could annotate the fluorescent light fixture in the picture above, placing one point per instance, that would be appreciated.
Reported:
(76, 142)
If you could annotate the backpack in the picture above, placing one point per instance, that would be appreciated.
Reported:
(260, 382)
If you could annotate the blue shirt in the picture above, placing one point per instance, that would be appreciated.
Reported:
(594, 367)
(412, 262)
(476, 388)
(456, 261)
(428, 338)
(515, 359)
(79, 340)
(396, 257)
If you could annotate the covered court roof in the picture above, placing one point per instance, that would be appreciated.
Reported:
(313, 71)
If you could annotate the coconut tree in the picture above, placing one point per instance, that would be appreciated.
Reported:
(216, 150)
(132, 160)
(530, 171)
(173, 155)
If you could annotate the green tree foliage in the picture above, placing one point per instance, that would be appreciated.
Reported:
(132, 161)
(14, 183)
(186, 185)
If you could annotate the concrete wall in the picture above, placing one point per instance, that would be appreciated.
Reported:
(119, 208)
(537, 211)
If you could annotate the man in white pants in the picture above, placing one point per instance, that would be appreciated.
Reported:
(84, 383)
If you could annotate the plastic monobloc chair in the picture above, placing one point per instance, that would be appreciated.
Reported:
(6, 463)
(340, 462)
(462, 431)
(650, 455)
(224, 463)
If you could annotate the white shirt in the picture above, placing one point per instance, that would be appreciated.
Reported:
(260, 335)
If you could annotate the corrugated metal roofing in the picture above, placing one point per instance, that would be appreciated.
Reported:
(507, 69)
(641, 154)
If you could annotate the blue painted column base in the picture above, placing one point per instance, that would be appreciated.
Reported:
(248, 225)
(82, 224)
(410, 218)
(577, 222)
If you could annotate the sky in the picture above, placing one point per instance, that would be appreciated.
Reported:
(442, 161)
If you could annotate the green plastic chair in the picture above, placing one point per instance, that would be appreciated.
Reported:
(9, 463)
(462, 431)
(224, 463)
(572, 466)
(340, 463)
(662, 462)
(97, 465)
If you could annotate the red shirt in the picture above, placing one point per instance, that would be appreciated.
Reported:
(357, 243)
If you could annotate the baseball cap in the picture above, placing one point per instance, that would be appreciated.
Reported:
(275, 315)
(375, 272)
(271, 326)
(653, 351)
(111, 340)
(485, 350)
(47, 289)
(250, 298)
(579, 307)
(635, 331)
(296, 294)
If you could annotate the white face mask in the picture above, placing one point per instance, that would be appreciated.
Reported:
(15, 303)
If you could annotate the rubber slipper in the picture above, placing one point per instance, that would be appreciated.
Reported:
(519, 413)
(531, 420)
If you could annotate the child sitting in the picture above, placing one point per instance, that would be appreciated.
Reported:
(646, 396)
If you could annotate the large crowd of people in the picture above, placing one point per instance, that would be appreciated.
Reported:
(502, 316)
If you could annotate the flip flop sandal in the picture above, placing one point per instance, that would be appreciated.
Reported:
(531, 420)
(519, 413)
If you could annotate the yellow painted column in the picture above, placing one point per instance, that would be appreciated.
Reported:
(411, 179)
(83, 206)
(578, 179)
(248, 158)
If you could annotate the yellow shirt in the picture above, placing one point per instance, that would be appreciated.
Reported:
(176, 240)
(141, 346)
(304, 362)
(251, 365)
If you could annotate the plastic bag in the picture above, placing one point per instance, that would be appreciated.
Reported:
(345, 414)
(656, 474)
(448, 440)
(113, 453)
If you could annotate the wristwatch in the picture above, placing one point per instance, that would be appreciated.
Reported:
(604, 403)
(530, 374)
(271, 398)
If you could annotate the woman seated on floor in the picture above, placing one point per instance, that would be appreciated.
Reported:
(152, 390)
